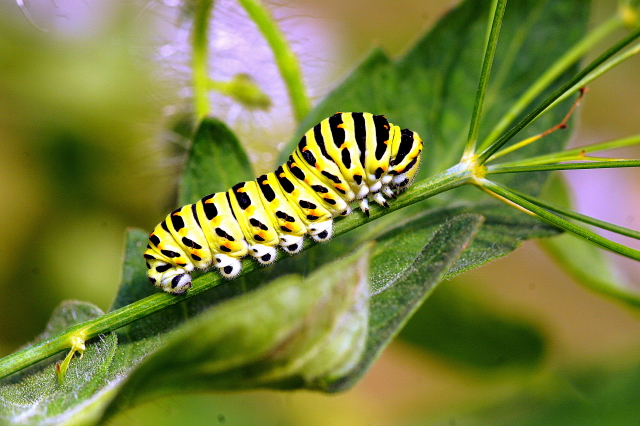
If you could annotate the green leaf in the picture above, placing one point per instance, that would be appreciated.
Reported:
(589, 396)
(460, 327)
(430, 90)
(394, 300)
(292, 333)
(216, 162)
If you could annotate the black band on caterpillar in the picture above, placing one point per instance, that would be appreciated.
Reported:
(346, 157)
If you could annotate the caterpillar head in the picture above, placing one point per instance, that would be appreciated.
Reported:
(405, 159)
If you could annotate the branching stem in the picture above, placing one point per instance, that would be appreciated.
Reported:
(485, 72)
(111, 321)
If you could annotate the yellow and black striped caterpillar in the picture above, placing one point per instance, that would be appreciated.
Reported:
(348, 156)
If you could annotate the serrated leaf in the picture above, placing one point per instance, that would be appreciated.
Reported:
(216, 162)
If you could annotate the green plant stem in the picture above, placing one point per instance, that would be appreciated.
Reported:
(451, 178)
(487, 153)
(286, 60)
(610, 164)
(508, 196)
(484, 76)
(607, 226)
(545, 80)
(617, 60)
(199, 59)
(575, 153)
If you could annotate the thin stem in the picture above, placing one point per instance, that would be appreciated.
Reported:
(559, 221)
(487, 153)
(549, 76)
(451, 178)
(631, 233)
(286, 60)
(199, 59)
(484, 77)
(577, 154)
(597, 73)
(608, 164)
(532, 139)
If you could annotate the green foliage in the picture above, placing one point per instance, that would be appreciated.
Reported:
(570, 398)
(318, 320)
(216, 162)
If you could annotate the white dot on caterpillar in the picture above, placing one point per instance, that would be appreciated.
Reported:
(293, 248)
(398, 180)
(291, 244)
(364, 190)
(263, 253)
(180, 284)
(376, 187)
(167, 282)
(323, 231)
(231, 270)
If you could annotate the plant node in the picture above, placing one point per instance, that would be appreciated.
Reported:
(76, 340)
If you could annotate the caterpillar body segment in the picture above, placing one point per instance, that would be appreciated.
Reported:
(345, 158)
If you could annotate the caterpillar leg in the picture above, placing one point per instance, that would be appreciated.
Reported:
(375, 187)
(364, 191)
(321, 231)
(379, 198)
(263, 253)
(291, 243)
(364, 206)
(229, 266)
(346, 211)
(388, 192)
(168, 277)
(180, 284)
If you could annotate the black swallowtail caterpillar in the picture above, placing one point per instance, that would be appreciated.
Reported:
(348, 156)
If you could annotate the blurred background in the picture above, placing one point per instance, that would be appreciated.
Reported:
(89, 91)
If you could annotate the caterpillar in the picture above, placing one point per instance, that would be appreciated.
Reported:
(346, 157)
